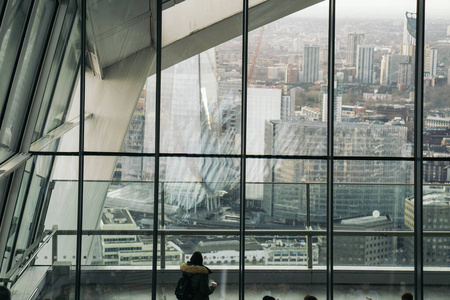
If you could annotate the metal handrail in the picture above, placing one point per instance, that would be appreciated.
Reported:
(257, 232)
(20, 266)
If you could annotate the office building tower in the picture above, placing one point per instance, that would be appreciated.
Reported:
(292, 74)
(297, 44)
(405, 76)
(409, 34)
(384, 70)
(436, 212)
(338, 92)
(368, 250)
(430, 62)
(364, 64)
(390, 68)
(287, 107)
(353, 41)
(263, 104)
(311, 64)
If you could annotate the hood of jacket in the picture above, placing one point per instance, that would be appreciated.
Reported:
(194, 269)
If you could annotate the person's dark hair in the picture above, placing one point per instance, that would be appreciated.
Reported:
(310, 297)
(197, 258)
(268, 298)
(407, 296)
(5, 294)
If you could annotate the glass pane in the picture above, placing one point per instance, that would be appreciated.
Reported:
(25, 77)
(286, 194)
(12, 31)
(289, 257)
(62, 284)
(220, 254)
(288, 63)
(371, 250)
(436, 83)
(130, 192)
(31, 210)
(122, 205)
(62, 206)
(59, 210)
(374, 79)
(59, 90)
(121, 55)
(140, 137)
(4, 184)
(436, 212)
(372, 267)
(201, 81)
(200, 192)
(372, 190)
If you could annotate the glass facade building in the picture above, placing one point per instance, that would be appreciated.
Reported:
(303, 146)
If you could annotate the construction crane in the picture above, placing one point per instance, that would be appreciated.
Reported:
(252, 66)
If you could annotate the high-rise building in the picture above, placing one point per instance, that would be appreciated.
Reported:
(390, 68)
(364, 64)
(287, 107)
(353, 41)
(409, 34)
(311, 64)
(430, 62)
(405, 76)
(338, 92)
(384, 70)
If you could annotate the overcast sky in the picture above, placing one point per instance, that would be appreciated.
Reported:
(382, 8)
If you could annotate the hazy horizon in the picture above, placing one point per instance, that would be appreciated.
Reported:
(385, 9)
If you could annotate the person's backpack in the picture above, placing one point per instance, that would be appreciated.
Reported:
(184, 290)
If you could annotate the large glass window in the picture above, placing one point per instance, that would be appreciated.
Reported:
(207, 126)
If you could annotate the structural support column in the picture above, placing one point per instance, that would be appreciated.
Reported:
(157, 147)
(418, 150)
(80, 155)
(243, 148)
(330, 146)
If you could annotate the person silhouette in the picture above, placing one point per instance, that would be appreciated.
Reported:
(5, 294)
(199, 276)
(407, 296)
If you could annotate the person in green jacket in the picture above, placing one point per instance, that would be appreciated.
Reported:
(199, 276)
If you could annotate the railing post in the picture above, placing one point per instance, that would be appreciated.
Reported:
(163, 235)
(308, 226)
(55, 244)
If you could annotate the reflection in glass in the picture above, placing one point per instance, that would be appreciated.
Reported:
(26, 72)
(200, 192)
(61, 77)
(200, 110)
(287, 65)
(285, 193)
(201, 84)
